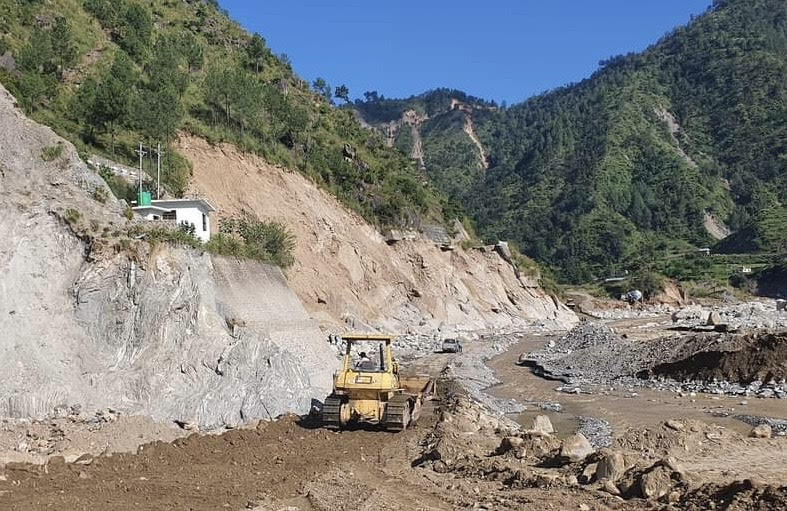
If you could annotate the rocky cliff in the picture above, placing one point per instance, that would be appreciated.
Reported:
(93, 317)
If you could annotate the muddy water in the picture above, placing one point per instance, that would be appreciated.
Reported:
(622, 407)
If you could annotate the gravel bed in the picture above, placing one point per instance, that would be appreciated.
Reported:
(778, 426)
(597, 431)
(592, 355)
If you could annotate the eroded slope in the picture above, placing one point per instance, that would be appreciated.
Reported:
(345, 272)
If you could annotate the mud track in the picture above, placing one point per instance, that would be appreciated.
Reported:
(232, 471)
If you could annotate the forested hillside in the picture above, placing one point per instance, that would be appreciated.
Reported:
(108, 74)
(654, 152)
(449, 156)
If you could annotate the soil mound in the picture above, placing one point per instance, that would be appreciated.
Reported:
(744, 359)
(739, 496)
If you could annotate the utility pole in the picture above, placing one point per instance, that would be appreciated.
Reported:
(158, 171)
(141, 153)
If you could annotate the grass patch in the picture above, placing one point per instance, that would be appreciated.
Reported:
(72, 216)
(100, 195)
(52, 152)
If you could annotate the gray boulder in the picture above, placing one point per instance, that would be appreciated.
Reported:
(576, 448)
(714, 318)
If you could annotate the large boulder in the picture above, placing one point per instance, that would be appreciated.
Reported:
(611, 466)
(656, 483)
(714, 318)
(576, 448)
(542, 425)
(540, 445)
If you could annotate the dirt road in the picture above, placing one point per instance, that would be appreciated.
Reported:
(233, 470)
(286, 465)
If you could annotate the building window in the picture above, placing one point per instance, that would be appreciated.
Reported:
(170, 215)
(204, 222)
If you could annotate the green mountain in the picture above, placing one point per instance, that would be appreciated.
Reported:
(655, 152)
(107, 74)
(434, 129)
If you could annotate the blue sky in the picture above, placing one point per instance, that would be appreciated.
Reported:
(497, 49)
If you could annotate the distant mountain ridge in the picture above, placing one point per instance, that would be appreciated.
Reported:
(655, 151)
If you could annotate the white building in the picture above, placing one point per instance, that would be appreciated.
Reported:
(180, 211)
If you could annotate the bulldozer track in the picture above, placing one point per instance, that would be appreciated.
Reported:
(397, 414)
(331, 412)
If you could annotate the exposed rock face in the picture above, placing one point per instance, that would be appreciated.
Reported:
(89, 318)
(202, 338)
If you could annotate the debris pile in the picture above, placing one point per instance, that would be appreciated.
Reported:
(590, 354)
(748, 315)
(469, 445)
(593, 355)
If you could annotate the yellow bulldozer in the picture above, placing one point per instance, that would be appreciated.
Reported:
(369, 389)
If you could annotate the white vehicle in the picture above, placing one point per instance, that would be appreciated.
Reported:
(451, 346)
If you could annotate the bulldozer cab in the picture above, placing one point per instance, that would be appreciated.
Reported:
(367, 353)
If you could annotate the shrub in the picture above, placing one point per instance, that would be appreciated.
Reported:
(254, 239)
(271, 241)
(649, 282)
(72, 215)
(180, 236)
(100, 195)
